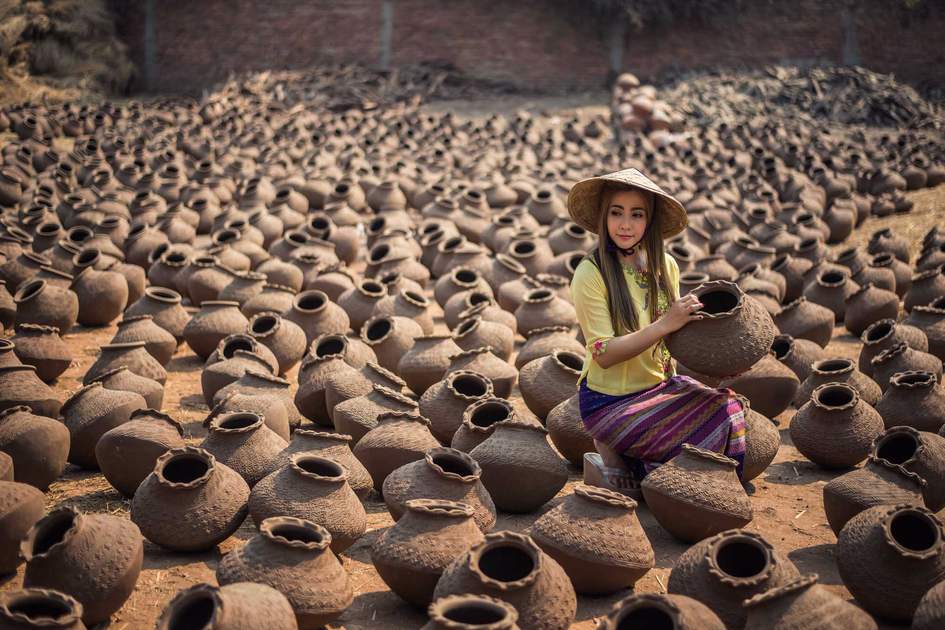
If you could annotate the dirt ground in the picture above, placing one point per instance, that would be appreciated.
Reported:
(787, 498)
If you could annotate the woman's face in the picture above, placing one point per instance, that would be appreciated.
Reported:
(626, 217)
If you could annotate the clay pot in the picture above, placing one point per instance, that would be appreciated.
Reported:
(730, 321)
(43, 348)
(511, 567)
(243, 442)
(357, 354)
(21, 505)
(806, 320)
(879, 482)
(442, 473)
(357, 416)
(466, 612)
(926, 287)
(159, 343)
(244, 286)
(19, 385)
(762, 441)
(481, 360)
(459, 280)
(128, 453)
(541, 308)
(38, 446)
(390, 337)
(317, 315)
(39, 302)
(543, 341)
(411, 556)
(40, 608)
(222, 373)
(802, 603)
(883, 335)
(190, 501)
(426, 361)
(445, 402)
(132, 355)
(768, 384)
(235, 606)
(930, 614)
(930, 320)
(123, 380)
(550, 380)
(670, 611)
(797, 354)
(914, 399)
(292, 556)
(477, 332)
(835, 428)
(95, 558)
(838, 371)
(479, 421)
(597, 539)
(313, 378)
(902, 358)
(519, 450)
(164, 307)
(868, 305)
(284, 339)
(334, 446)
(887, 263)
(102, 295)
(567, 432)
(228, 346)
(360, 301)
(214, 321)
(92, 411)
(701, 485)
(725, 570)
(889, 557)
(399, 438)
(920, 452)
(409, 304)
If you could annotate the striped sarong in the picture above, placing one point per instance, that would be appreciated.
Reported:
(649, 428)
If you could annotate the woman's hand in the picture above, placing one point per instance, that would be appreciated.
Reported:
(682, 311)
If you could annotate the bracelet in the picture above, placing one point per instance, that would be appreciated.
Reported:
(599, 347)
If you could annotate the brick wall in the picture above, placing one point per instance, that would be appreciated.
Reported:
(182, 45)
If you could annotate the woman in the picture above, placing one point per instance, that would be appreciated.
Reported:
(626, 294)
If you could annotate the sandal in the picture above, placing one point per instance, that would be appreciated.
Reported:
(616, 479)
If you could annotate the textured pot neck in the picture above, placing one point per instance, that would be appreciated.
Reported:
(312, 302)
(238, 422)
(52, 533)
(548, 331)
(184, 468)
(392, 417)
(163, 296)
(644, 605)
(265, 325)
(313, 435)
(703, 456)
(510, 264)
(878, 332)
(468, 385)
(30, 290)
(523, 561)
(371, 290)
(322, 470)
(453, 464)
(465, 612)
(889, 354)
(378, 329)
(483, 415)
(538, 297)
(40, 608)
(469, 355)
(913, 380)
(740, 559)
(913, 532)
(605, 497)
(386, 393)
(8, 413)
(379, 375)
(156, 416)
(792, 589)
(30, 330)
(906, 477)
(218, 305)
(720, 299)
(568, 362)
(295, 534)
(179, 612)
(835, 397)
(833, 367)
(439, 509)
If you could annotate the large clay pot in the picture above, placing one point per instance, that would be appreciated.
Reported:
(164, 307)
(697, 494)
(95, 558)
(335, 446)
(360, 301)
(218, 375)
(902, 358)
(102, 295)
(390, 337)
(802, 603)
(519, 450)
(443, 473)
(293, 556)
(597, 539)
(567, 432)
(411, 556)
(725, 570)
(357, 416)
(762, 441)
(797, 354)
(930, 614)
(835, 428)
(37, 445)
(316, 489)
(541, 308)
(921, 452)
(159, 343)
(43, 348)
(467, 612)
(543, 341)
(317, 315)
(214, 321)
(243, 442)
(40, 608)
(883, 335)
(92, 411)
(734, 333)
(915, 399)
(399, 438)
(868, 305)
(237, 606)
(314, 375)
(834, 370)
(21, 505)
(550, 380)
(132, 355)
(880, 482)
(476, 332)
(479, 422)
(806, 320)
(511, 567)
(124, 380)
(930, 320)
(190, 501)
(128, 453)
(889, 556)
(481, 360)
(768, 384)
(445, 402)
(660, 610)
(19, 385)
(39, 302)
(426, 362)
(284, 339)
(926, 287)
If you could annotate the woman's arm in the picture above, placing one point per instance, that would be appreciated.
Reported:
(624, 347)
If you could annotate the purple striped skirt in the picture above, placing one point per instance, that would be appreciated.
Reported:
(649, 428)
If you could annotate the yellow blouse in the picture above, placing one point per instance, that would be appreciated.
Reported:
(647, 369)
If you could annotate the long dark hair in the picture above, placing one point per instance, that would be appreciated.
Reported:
(623, 314)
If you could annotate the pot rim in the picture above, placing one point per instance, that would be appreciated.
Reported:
(895, 511)
(820, 390)
(439, 608)
(629, 604)
(450, 381)
(707, 455)
(726, 538)
(267, 527)
(929, 379)
(506, 538)
(53, 516)
(889, 354)
(802, 582)
(605, 496)
(297, 459)
(181, 452)
(447, 451)
(184, 598)
(440, 507)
